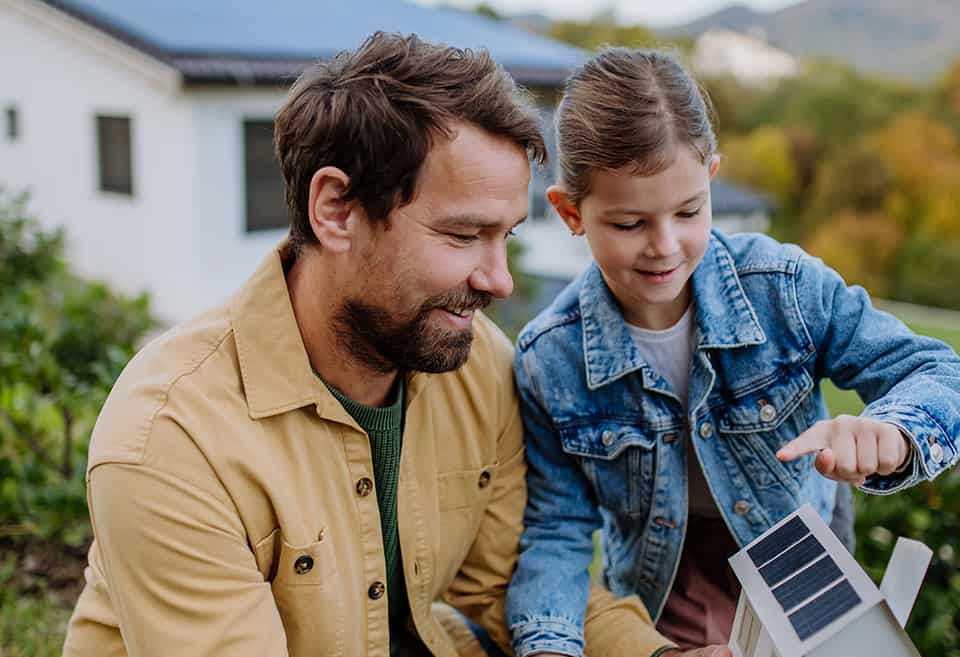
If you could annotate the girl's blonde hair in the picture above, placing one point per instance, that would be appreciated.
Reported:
(629, 108)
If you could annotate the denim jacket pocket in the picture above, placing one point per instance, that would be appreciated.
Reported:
(618, 458)
(767, 416)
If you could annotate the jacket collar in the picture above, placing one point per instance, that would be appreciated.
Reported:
(724, 315)
(274, 365)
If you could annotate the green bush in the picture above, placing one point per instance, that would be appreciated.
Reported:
(63, 342)
(929, 513)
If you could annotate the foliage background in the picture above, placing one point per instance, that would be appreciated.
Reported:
(863, 172)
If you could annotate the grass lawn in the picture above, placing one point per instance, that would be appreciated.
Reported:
(847, 402)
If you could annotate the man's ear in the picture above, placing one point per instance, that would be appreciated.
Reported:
(330, 215)
(569, 212)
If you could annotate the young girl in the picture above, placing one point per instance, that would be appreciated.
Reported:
(671, 392)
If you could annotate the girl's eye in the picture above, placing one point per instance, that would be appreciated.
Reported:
(636, 224)
(689, 215)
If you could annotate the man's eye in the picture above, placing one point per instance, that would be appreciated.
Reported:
(461, 237)
(511, 233)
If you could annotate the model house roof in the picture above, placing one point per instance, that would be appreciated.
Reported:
(803, 589)
(254, 42)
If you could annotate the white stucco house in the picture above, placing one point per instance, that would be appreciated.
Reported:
(145, 127)
(747, 57)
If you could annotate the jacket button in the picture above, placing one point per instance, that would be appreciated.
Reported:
(484, 480)
(741, 508)
(768, 412)
(303, 564)
(706, 430)
(376, 590)
(364, 486)
(669, 438)
(936, 453)
(607, 438)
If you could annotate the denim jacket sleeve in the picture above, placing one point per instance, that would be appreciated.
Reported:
(908, 380)
(547, 600)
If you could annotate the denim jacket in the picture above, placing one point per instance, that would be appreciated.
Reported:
(605, 435)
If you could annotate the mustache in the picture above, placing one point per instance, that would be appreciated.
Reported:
(467, 299)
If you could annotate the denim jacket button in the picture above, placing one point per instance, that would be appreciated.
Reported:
(706, 430)
(741, 508)
(607, 438)
(768, 412)
(936, 453)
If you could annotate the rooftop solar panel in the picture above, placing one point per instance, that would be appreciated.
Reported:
(804, 584)
(778, 541)
(792, 560)
(824, 609)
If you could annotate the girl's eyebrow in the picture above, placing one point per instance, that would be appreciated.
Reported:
(696, 198)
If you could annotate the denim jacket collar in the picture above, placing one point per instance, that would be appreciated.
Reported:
(725, 319)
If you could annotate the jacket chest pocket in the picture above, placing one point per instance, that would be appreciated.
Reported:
(619, 460)
(463, 496)
(309, 596)
(757, 424)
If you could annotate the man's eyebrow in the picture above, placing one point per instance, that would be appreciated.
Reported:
(468, 221)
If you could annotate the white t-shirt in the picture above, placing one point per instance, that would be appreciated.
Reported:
(669, 352)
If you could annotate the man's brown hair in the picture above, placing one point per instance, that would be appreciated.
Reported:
(629, 108)
(374, 113)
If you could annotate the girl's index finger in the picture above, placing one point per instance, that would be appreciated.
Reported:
(812, 440)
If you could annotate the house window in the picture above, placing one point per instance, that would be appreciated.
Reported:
(264, 185)
(115, 154)
(13, 123)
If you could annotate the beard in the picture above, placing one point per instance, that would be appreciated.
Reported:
(383, 343)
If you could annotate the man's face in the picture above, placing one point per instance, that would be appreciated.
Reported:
(420, 278)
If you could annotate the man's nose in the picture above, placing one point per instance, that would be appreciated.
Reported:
(493, 275)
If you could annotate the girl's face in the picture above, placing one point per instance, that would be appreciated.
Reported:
(647, 234)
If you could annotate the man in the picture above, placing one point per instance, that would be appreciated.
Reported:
(306, 469)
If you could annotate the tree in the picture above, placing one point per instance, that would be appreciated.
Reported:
(863, 248)
(762, 160)
(63, 342)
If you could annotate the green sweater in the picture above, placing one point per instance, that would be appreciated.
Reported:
(384, 427)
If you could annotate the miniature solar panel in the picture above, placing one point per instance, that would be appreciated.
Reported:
(804, 584)
(792, 560)
(778, 541)
(824, 609)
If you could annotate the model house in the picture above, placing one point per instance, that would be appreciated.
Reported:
(804, 595)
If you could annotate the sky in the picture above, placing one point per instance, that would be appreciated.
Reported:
(653, 13)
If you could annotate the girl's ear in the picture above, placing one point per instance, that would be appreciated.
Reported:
(569, 212)
(714, 165)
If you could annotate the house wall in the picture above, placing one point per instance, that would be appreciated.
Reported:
(223, 253)
(60, 74)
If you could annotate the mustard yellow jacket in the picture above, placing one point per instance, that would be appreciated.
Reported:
(234, 514)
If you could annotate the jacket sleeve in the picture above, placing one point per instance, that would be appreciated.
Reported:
(908, 380)
(180, 574)
(551, 606)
